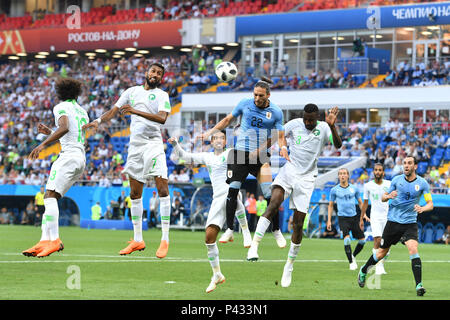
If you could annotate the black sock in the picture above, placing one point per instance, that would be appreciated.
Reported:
(416, 265)
(358, 248)
(231, 207)
(348, 252)
(370, 262)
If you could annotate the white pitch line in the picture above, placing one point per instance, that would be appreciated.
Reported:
(175, 259)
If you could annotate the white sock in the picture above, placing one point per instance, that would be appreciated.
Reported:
(293, 252)
(164, 209)
(136, 217)
(261, 227)
(242, 220)
(44, 227)
(51, 216)
(213, 257)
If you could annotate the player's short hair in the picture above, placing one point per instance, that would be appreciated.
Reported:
(411, 156)
(379, 164)
(264, 83)
(68, 88)
(310, 108)
(159, 65)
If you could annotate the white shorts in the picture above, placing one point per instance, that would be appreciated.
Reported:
(65, 171)
(377, 226)
(145, 161)
(217, 214)
(296, 185)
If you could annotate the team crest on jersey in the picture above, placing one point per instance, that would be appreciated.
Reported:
(417, 187)
(316, 132)
(151, 97)
(351, 190)
(229, 174)
(268, 115)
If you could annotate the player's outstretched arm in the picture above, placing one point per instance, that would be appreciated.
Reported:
(63, 128)
(387, 196)
(187, 156)
(103, 118)
(222, 124)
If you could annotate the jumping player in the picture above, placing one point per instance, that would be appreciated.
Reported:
(149, 107)
(66, 170)
(216, 162)
(261, 119)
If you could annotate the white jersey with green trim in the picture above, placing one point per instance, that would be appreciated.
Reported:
(305, 145)
(78, 117)
(216, 164)
(149, 101)
(374, 192)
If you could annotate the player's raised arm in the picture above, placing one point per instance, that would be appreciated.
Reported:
(63, 128)
(107, 116)
(331, 118)
(187, 156)
(391, 193)
(221, 125)
(160, 117)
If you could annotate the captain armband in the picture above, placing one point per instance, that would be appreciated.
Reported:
(427, 197)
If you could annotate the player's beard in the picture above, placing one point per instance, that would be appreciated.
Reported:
(154, 84)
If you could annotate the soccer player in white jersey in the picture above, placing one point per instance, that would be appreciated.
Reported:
(216, 163)
(69, 119)
(149, 107)
(307, 137)
(374, 190)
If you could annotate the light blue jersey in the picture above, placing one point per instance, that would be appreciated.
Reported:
(256, 124)
(401, 208)
(345, 199)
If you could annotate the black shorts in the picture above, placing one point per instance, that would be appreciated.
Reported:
(239, 166)
(394, 232)
(347, 224)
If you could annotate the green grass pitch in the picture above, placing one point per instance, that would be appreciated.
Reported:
(320, 272)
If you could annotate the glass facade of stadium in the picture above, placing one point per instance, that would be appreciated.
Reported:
(305, 52)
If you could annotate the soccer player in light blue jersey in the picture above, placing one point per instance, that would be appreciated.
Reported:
(405, 193)
(261, 122)
(346, 195)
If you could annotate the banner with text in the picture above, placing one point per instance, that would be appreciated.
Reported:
(142, 35)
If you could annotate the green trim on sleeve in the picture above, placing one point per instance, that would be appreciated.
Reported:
(331, 139)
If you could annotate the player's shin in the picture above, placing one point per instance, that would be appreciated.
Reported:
(213, 257)
(231, 204)
(136, 217)
(261, 227)
(371, 262)
(348, 249)
(416, 265)
(359, 247)
(293, 252)
(164, 208)
(51, 216)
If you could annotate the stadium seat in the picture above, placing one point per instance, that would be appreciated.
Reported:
(422, 167)
(439, 230)
(420, 229)
(428, 233)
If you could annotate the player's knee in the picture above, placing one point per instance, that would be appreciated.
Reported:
(135, 194)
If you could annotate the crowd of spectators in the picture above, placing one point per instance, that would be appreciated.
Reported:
(390, 144)
(27, 97)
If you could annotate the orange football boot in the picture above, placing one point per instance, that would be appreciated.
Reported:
(37, 248)
(53, 246)
(163, 249)
(133, 246)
